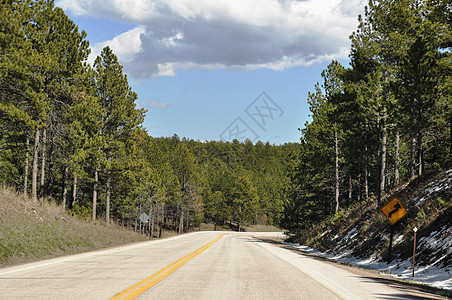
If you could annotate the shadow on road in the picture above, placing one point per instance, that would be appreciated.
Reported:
(408, 290)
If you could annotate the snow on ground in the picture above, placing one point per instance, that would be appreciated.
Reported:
(438, 186)
(438, 244)
(435, 274)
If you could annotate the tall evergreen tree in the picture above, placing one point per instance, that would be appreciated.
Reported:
(121, 116)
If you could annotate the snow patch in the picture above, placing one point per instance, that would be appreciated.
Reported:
(438, 243)
(440, 185)
(439, 277)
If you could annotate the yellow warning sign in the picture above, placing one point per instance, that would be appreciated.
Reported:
(394, 211)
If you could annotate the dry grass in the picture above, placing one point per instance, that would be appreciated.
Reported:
(31, 231)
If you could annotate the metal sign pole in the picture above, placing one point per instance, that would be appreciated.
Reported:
(414, 249)
(390, 244)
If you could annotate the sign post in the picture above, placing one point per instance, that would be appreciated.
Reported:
(394, 211)
(143, 218)
(414, 249)
(391, 238)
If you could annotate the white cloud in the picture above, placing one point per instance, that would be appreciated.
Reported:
(234, 34)
(156, 104)
(126, 46)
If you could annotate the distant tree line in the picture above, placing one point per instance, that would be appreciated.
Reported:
(72, 132)
(381, 122)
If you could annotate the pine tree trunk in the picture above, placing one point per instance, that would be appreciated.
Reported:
(366, 176)
(96, 183)
(187, 220)
(51, 176)
(43, 160)
(74, 190)
(397, 158)
(383, 160)
(153, 211)
(450, 135)
(107, 200)
(420, 154)
(350, 188)
(359, 187)
(181, 222)
(378, 175)
(27, 151)
(136, 221)
(34, 176)
(162, 221)
(336, 144)
(66, 174)
(413, 155)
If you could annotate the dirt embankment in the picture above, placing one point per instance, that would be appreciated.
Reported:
(362, 233)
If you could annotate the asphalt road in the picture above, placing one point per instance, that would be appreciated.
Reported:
(201, 265)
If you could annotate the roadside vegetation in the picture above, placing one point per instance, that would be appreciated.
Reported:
(31, 231)
(380, 123)
(72, 132)
(37, 230)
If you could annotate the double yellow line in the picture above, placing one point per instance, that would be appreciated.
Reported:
(142, 286)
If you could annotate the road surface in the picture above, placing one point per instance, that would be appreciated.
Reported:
(201, 265)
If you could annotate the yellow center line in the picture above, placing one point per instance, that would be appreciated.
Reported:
(142, 286)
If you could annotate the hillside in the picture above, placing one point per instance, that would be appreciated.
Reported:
(360, 236)
(31, 231)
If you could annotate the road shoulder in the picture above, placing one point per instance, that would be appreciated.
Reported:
(413, 289)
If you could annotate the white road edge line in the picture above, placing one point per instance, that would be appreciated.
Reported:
(330, 285)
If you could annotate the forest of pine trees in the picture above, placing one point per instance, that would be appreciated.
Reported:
(381, 122)
(72, 132)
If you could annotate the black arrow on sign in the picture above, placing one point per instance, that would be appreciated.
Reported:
(396, 209)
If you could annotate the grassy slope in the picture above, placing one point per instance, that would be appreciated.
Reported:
(363, 231)
(31, 231)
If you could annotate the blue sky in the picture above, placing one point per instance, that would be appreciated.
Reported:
(236, 69)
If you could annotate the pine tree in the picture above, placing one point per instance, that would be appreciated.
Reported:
(121, 116)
